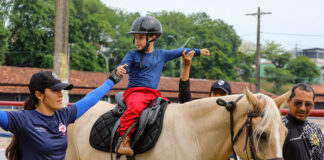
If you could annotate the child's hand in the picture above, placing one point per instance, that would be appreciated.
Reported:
(121, 71)
(187, 57)
(204, 52)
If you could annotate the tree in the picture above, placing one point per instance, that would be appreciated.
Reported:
(93, 26)
(4, 36)
(3, 42)
(275, 53)
(244, 65)
(248, 47)
(303, 68)
(4, 33)
(279, 58)
(219, 37)
(279, 76)
(31, 26)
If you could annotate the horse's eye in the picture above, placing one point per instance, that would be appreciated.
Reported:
(263, 136)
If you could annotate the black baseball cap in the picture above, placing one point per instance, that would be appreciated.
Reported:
(222, 84)
(47, 79)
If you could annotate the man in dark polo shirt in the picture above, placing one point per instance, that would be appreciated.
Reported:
(305, 139)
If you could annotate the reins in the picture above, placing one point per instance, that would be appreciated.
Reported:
(230, 107)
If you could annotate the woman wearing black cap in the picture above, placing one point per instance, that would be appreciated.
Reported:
(39, 131)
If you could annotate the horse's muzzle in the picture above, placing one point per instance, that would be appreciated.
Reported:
(276, 159)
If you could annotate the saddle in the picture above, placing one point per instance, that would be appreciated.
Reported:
(148, 128)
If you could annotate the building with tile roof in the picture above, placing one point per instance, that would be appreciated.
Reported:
(14, 85)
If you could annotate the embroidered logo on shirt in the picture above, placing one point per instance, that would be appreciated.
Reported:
(62, 128)
(40, 129)
(315, 139)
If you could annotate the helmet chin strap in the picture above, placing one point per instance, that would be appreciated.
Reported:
(144, 50)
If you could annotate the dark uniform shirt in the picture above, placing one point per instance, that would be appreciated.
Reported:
(304, 141)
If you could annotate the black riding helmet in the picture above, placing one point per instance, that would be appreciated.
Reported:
(146, 25)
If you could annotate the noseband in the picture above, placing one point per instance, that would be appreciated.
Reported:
(230, 106)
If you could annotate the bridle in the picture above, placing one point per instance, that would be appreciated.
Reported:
(230, 106)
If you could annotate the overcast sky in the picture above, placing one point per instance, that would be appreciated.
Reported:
(292, 22)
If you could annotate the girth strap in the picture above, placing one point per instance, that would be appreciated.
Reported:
(113, 132)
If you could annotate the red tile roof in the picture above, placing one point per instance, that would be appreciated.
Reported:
(319, 92)
(15, 80)
(318, 89)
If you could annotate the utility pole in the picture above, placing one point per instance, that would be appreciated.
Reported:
(257, 57)
(181, 60)
(296, 51)
(61, 44)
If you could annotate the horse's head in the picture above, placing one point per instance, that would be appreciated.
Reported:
(263, 132)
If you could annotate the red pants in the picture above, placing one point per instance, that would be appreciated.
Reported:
(136, 99)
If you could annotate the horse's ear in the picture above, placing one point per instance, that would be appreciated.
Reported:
(250, 97)
(281, 100)
(253, 100)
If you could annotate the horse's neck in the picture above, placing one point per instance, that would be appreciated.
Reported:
(207, 111)
(210, 123)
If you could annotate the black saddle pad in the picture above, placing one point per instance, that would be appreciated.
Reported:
(100, 135)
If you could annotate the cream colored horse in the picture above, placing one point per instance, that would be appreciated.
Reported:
(197, 130)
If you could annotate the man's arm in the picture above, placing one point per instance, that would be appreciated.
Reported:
(184, 84)
(320, 137)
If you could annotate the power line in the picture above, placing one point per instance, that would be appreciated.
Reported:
(293, 34)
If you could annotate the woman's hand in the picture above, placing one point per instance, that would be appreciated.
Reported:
(187, 57)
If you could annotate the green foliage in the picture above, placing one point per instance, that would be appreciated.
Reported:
(84, 57)
(32, 34)
(244, 63)
(275, 53)
(303, 68)
(4, 34)
(94, 27)
(279, 76)
(216, 35)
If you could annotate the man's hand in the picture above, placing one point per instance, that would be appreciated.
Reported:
(187, 57)
(204, 52)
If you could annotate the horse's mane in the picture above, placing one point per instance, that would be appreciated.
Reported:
(271, 114)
